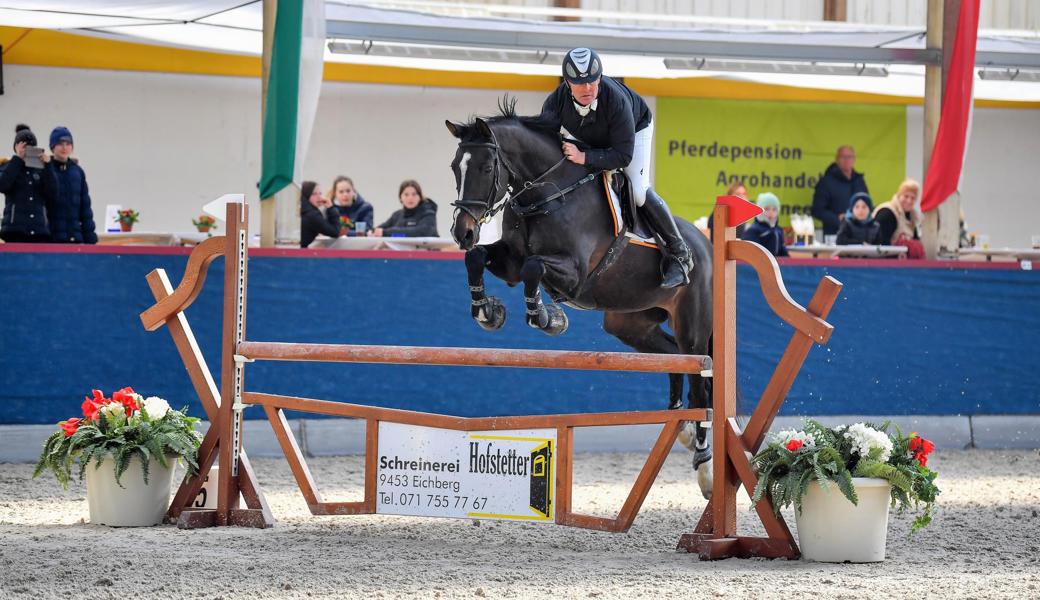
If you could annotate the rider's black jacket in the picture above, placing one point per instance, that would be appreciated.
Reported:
(608, 131)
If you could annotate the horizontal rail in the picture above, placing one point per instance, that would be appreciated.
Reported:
(478, 357)
(410, 417)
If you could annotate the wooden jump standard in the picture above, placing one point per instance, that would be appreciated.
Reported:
(715, 534)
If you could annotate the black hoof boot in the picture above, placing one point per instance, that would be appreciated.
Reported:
(701, 456)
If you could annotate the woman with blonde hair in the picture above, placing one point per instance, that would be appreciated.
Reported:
(899, 219)
(736, 188)
(345, 197)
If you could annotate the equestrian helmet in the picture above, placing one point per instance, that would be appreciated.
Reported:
(582, 65)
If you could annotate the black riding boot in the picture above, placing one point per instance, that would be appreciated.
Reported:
(676, 261)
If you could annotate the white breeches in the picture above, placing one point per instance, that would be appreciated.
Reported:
(638, 171)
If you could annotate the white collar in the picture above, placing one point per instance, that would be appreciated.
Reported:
(585, 110)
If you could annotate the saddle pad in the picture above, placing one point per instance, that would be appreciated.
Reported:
(638, 232)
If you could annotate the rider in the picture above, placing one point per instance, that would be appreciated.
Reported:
(617, 126)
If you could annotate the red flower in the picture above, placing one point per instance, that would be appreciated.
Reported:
(919, 445)
(922, 459)
(91, 405)
(794, 445)
(70, 426)
(125, 397)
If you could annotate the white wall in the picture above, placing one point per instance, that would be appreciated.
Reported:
(166, 144)
(997, 191)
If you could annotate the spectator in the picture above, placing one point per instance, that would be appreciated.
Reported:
(764, 231)
(29, 192)
(72, 220)
(734, 189)
(835, 188)
(417, 218)
(899, 219)
(317, 215)
(859, 227)
(351, 205)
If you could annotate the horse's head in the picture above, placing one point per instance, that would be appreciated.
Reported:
(481, 179)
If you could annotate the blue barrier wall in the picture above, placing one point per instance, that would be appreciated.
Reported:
(907, 340)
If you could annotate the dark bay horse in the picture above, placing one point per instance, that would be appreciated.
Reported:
(552, 242)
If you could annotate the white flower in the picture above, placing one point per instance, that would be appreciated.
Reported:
(156, 408)
(786, 435)
(864, 439)
(114, 409)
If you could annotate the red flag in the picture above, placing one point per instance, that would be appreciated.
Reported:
(951, 142)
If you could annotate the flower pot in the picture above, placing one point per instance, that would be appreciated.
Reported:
(135, 504)
(203, 228)
(832, 529)
(125, 226)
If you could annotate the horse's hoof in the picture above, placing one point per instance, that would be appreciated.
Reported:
(557, 320)
(492, 315)
(705, 478)
(688, 435)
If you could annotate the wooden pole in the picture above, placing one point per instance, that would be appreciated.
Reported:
(724, 381)
(267, 205)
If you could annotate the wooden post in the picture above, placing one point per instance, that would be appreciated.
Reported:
(268, 210)
(724, 380)
(231, 372)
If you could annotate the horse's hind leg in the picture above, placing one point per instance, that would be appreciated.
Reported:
(693, 335)
(487, 311)
(549, 318)
(642, 332)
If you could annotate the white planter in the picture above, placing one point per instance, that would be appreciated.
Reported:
(135, 504)
(832, 529)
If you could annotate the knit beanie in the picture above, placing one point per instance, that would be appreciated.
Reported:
(22, 133)
(858, 196)
(60, 134)
(765, 200)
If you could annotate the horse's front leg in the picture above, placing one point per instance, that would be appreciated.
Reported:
(549, 318)
(487, 311)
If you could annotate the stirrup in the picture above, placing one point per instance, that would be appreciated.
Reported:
(684, 271)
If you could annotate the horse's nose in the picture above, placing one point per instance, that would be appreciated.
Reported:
(467, 240)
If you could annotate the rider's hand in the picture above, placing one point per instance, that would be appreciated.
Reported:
(19, 150)
(573, 154)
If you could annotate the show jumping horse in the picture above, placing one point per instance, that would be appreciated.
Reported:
(558, 235)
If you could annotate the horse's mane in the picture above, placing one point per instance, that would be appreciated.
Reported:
(507, 114)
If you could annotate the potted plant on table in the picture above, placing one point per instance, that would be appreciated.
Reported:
(204, 223)
(346, 225)
(133, 443)
(127, 218)
(842, 481)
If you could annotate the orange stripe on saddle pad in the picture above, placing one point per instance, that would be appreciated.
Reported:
(615, 217)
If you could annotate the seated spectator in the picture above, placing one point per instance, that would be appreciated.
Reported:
(899, 219)
(734, 189)
(352, 206)
(834, 189)
(72, 220)
(417, 217)
(859, 227)
(765, 231)
(317, 215)
(29, 192)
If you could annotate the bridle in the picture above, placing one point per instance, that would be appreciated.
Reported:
(498, 198)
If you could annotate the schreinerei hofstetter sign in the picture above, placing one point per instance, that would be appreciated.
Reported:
(430, 472)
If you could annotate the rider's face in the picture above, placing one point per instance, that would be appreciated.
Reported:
(585, 93)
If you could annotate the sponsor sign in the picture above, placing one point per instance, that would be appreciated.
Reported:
(430, 472)
(703, 144)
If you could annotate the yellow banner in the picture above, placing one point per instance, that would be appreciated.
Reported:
(782, 147)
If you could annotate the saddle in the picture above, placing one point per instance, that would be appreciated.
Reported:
(624, 210)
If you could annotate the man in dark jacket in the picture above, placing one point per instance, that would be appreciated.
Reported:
(72, 219)
(839, 182)
(615, 127)
(29, 193)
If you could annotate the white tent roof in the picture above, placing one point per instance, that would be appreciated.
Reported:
(634, 51)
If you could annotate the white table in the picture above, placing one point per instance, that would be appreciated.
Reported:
(152, 238)
(1019, 254)
(833, 251)
(385, 243)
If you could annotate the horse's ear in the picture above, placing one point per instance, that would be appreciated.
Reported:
(456, 129)
(484, 128)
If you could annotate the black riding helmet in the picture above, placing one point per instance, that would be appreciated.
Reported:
(582, 65)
